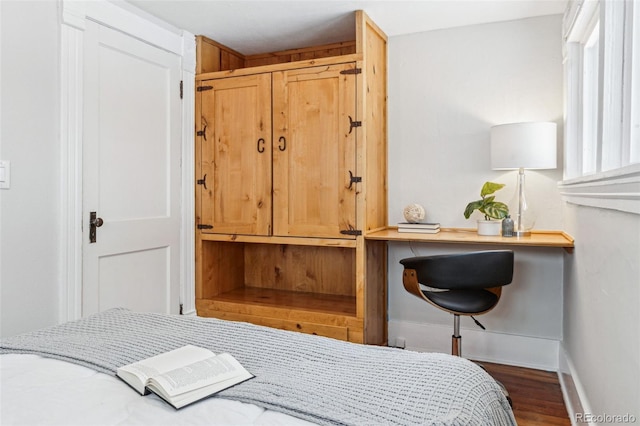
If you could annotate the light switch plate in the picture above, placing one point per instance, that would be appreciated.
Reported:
(5, 174)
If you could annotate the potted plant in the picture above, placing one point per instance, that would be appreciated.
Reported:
(491, 209)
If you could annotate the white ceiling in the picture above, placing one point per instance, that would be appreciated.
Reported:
(267, 26)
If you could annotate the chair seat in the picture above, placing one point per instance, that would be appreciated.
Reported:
(468, 301)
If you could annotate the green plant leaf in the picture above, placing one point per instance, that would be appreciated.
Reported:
(496, 210)
(490, 208)
(490, 188)
(471, 207)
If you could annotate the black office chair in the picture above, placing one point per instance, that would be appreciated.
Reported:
(462, 284)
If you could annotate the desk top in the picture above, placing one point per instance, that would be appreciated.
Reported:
(470, 236)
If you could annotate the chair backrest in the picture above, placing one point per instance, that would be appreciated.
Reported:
(479, 269)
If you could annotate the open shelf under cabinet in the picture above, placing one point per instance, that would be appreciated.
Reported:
(304, 288)
(253, 297)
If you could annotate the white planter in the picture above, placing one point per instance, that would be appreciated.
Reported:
(489, 227)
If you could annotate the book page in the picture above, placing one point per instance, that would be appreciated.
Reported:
(199, 374)
(147, 368)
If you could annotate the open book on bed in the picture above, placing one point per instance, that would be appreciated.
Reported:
(184, 375)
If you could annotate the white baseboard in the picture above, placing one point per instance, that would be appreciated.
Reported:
(480, 345)
(575, 398)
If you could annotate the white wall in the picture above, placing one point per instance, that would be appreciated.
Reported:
(29, 138)
(602, 319)
(446, 89)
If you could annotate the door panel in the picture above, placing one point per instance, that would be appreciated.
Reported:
(131, 173)
(133, 147)
(236, 155)
(136, 274)
(314, 151)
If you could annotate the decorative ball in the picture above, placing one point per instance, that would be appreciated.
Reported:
(414, 213)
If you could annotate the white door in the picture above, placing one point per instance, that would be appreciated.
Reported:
(131, 174)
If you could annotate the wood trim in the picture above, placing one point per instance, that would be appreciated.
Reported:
(280, 67)
(188, 237)
(292, 55)
(197, 214)
(213, 56)
(374, 131)
(309, 307)
(216, 57)
(329, 46)
(207, 40)
(319, 329)
(302, 241)
(362, 15)
(541, 238)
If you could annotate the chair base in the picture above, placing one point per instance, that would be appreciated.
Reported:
(456, 339)
(456, 345)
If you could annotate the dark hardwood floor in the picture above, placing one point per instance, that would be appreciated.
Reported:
(537, 397)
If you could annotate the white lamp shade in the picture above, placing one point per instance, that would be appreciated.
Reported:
(523, 145)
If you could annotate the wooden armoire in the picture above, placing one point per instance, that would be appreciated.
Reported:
(291, 175)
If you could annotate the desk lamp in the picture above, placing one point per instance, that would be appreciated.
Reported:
(523, 146)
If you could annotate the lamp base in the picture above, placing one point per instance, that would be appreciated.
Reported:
(524, 218)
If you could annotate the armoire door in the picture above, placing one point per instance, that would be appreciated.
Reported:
(234, 180)
(314, 151)
(132, 134)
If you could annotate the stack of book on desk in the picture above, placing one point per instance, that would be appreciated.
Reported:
(424, 228)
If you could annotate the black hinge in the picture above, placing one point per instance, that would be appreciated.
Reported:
(351, 231)
(204, 226)
(352, 71)
(203, 88)
(181, 89)
(353, 179)
(203, 181)
(353, 124)
(203, 132)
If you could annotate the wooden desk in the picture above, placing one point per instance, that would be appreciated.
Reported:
(538, 293)
(470, 236)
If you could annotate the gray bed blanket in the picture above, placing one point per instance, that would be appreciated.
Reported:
(318, 379)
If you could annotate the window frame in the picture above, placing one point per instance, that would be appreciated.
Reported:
(591, 79)
(615, 182)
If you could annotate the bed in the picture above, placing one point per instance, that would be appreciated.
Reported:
(66, 375)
